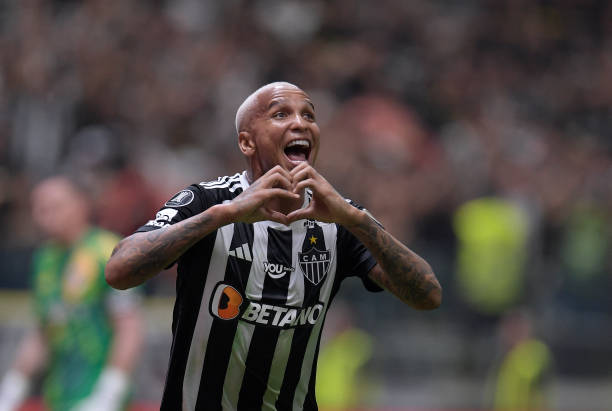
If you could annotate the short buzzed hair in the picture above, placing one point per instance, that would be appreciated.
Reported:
(247, 106)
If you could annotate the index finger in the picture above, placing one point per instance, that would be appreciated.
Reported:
(276, 180)
(303, 165)
(272, 176)
(305, 173)
(278, 169)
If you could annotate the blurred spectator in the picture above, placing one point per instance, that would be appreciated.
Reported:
(586, 250)
(525, 370)
(492, 254)
(88, 335)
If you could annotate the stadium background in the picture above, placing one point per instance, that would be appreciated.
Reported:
(425, 106)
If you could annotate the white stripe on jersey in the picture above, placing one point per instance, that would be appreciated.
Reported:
(218, 181)
(222, 182)
(197, 349)
(295, 295)
(244, 331)
(330, 232)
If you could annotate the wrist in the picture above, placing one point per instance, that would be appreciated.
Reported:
(223, 214)
(354, 217)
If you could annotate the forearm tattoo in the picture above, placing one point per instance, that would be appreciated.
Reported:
(404, 273)
(144, 256)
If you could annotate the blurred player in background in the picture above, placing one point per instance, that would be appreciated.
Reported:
(261, 255)
(524, 373)
(88, 335)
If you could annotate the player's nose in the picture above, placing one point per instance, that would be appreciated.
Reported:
(298, 122)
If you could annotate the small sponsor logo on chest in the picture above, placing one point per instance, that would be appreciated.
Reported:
(276, 270)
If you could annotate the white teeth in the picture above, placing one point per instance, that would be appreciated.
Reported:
(305, 143)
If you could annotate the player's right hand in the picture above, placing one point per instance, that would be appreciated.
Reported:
(252, 205)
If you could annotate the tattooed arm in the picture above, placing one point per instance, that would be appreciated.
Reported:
(142, 255)
(399, 270)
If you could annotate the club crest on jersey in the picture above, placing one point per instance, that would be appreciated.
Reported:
(314, 264)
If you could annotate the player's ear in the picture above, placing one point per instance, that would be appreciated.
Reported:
(246, 143)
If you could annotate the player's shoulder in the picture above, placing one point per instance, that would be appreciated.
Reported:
(206, 192)
(222, 188)
(230, 183)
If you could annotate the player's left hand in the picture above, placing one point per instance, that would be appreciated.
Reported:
(326, 204)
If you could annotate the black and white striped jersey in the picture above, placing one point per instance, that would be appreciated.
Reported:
(251, 301)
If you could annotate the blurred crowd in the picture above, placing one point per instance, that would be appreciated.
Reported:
(433, 114)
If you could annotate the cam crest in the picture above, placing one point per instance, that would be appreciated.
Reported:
(314, 264)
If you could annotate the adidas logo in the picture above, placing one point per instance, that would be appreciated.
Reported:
(241, 252)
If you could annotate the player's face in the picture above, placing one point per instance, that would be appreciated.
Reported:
(285, 130)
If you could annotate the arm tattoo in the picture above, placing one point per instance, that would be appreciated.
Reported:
(144, 255)
(403, 272)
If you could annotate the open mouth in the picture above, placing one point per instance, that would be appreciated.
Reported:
(298, 150)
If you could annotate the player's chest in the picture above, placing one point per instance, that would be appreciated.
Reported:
(275, 260)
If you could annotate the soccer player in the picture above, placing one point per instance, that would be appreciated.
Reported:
(261, 255)
(88, 335)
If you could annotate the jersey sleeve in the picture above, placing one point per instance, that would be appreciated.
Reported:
(354, 259)
(184, 204)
